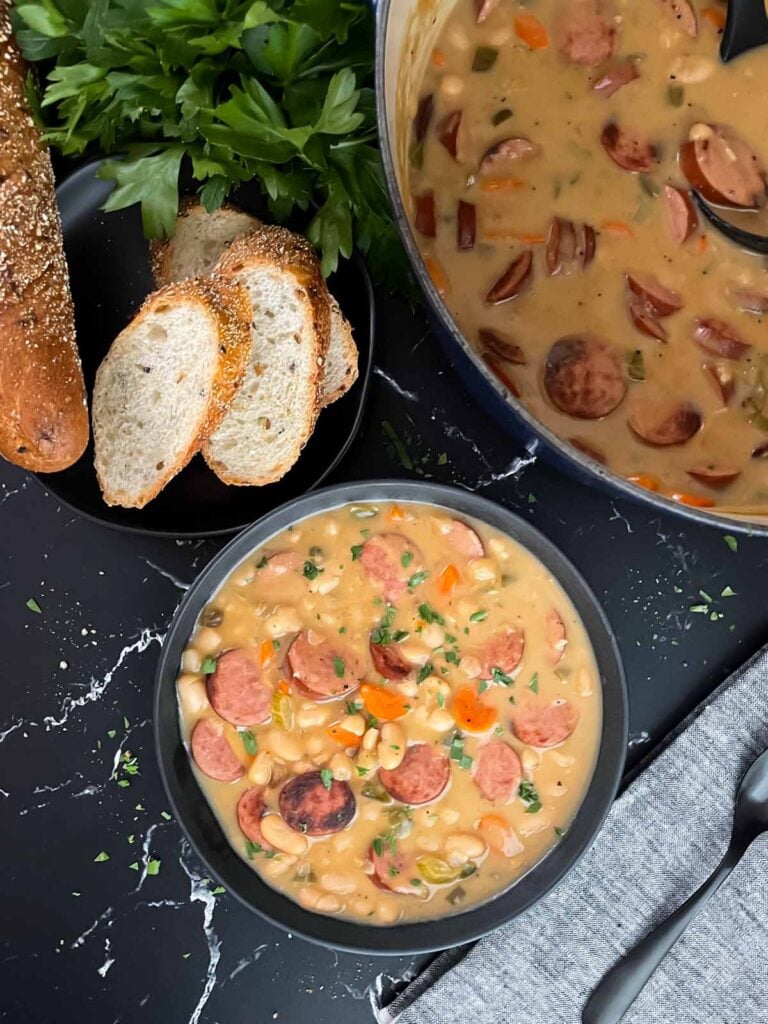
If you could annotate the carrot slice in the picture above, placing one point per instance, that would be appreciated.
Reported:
(447, 580)
(499, 834)
(266, 652)
(683, 498)
(470, 712)
(618, 227)
(531, 31)
(650, 483)
(438, 58)
(512, 235)
(343, 736)
(438, 275)
(715, 16)
(382, 703)
(501, 184)
(395, 514)
(702, 243)
(283, 686)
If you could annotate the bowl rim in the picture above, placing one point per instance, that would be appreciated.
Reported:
(191, 809)
(550, 440)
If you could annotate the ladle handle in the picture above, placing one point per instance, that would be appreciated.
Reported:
(746, 26)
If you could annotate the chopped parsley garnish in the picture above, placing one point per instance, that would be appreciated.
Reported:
(262, 562)
(310, 570)
(357, 550)
(440, 700)
(252, 848)
(34, 606)
(164, 815)
(457, 748)
(393, 871)
(501, 116)
(218, 891)
(153, 867)
(315, 551)
(378, 846)
(249, 742)
(352, 707)
(501, 678)
(101, 857)
(417, 578)
(416, 881)
(731, 541)
(326, 776)
(208, 667)
(534, 683)
(134, 866)
(362, 771)
(485, 58)
(727, 592)
(399, 635)
(482, 686)
(452, 657)
(406, 558)
(450, 638)
(112, 733)
(424, 671)
(478, 616)
(428, 613)
(382, 635)
(530, 797)
(559, 832)
(465, 761)
(338, 666)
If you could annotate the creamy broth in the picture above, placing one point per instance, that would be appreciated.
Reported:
(457, 764)
(569, 82)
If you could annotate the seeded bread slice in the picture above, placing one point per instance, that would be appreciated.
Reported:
(198, 243)
(274, 413)
(165, 385)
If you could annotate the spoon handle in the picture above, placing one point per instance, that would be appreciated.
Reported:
(619, 988)
(746, 27)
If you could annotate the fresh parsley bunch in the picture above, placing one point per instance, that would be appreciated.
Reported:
(274, 91)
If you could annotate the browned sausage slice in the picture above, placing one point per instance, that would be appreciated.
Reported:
(212, 753)
(390, 560)
(501, 346)
(390, 871)
(584, 377)
(760, 451)
(723, 379)
(683, 13)
(463, 538)
(448, 131)
(664, 421)
(722, 167)
(280, 564)
(719, 339)
(749, 301)
(310, 807)
(630, 150)
(616, 78)
(544, 726)
(504, 651)
(497, 771)
(663, 301)
(585, 36)
(515, 279)
(484, 8)
(466, 225)
(389, 661)
(644, 320)
(250, 811)
(588, 244)
(557, 637)
(501, 373)
(236, 690)
(679, 214)
(320, 669)
(420, 777)
(425, 214)
(423, 117)
(587, 448)
(717, 477)
(503, 155)
(560, 255)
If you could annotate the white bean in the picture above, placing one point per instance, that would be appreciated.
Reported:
(328, 904)
(563, 760)
(530, 760)
(243, 576)
(192, 695)
(207, 640)
(361, 906)
(341, 766)
(276, 866)
(430, 843)
(692, 69)
(354, 724)
(465, 843)
(433, 635)
(498, 548)
(283, 745)
(414, 652)
(367, 760)
(483, 569)
(425, 818)
(260, 771)
(285, 619)
(470, 666)
(191, 660)
(408, 688)
(582, 684)
(314, 744)
(441, 720)
(310, 714)
(449, 815)
(309, 896)
(280, 835)
(387, 911)
(370, 739)
(324, 584)
(341, 884)
(391, 749)
(331, 528)
(342, 841)
(540, 821)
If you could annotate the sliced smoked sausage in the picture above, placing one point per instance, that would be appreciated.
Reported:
(544, 726)
(722, 167)
(719, 339)
(504, 651)
(250, 811)
(501, 346)
(584, 377)
(515, 279)
(664, 421)
(679, 214)
(630, 150)
(463, 539)
(716, 477)
(502, 156)
(389, 561)
(663, 301)
(556, 636)
(279, 565)
(321, 670)
(237, 691)
(584, 35)
(311, 807)
(683, 13)
(390, 871)
(616, 78)
(389, 661)
(420, 777)
(497, 771)
(212, 752)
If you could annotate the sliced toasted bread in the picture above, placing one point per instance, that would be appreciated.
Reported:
(197, 245)
(165, 385)
(274, 413)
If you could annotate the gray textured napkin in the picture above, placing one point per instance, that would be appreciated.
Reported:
(661, 839)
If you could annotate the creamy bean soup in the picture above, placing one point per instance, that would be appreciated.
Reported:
(553, 146)
(394, 713)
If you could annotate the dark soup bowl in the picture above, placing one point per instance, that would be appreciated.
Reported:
(203, 830)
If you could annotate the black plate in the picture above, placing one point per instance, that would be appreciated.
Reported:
(110, 276)
(199, 823)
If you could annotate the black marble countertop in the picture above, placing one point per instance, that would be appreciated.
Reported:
(107, 916)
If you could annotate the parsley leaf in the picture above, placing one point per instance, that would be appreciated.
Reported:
(311, 570)
(327, 777)
(338, 666)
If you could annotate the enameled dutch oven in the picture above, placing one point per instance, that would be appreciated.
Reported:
(404, 28)
(203, 830)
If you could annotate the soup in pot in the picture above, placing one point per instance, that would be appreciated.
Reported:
(553, 149)
(394, 713)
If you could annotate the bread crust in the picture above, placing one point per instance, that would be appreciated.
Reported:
(43, 413)
(230, 305)
(277, 246)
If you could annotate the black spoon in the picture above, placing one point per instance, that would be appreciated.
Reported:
(623, 983)
(746, 27)
(744, 239)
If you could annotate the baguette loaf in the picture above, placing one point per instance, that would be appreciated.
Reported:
(43, 414)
